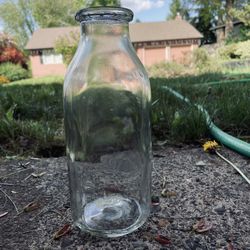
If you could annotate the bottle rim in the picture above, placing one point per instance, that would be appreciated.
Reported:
(104, 14)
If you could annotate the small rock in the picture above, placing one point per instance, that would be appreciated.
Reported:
(66, 242)
(155, 200)
(200, 163)
(163, 223)
(217, 174)
(220, 210)
(139, 245)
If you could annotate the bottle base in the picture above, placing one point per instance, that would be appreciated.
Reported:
(112, 216)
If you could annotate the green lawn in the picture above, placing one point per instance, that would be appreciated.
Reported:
(32, 116)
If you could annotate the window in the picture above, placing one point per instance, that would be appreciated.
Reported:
(50, 57)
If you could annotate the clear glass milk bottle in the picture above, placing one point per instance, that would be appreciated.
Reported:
(107, 126)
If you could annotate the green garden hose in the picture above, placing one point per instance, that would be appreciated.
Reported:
(221, 82)
(224, 138)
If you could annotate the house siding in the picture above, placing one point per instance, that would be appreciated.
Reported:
(149, 55)
(40, 70)
(154, 56)
(179, 53)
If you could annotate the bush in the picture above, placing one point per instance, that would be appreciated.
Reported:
(240, 50)
(243, 50)
(4, 80)
(13, 72)
(10, 52)
(228, 51)
(167, 69)
(67, 46)
(203, 62)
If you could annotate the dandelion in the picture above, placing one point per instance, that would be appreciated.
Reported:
(212, 147)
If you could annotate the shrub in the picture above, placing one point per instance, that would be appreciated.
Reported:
(240, 50)
(67, 46)
(243, 50)
(169, 69)
(10, 51)
(228, 51)
(13, 72)
(203, 62)
(4, 80)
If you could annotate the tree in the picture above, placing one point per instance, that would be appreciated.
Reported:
(178, 7)
(21, 17)
(243, 15)
(96, 3)
(17, 19)
(221, 11)
(203, 22)
(54, 13)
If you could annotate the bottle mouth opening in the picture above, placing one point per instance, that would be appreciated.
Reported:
(104, 14)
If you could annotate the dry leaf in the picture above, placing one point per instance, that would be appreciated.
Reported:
(163, 240)
(31, 206)
(230, 246)
(167, 194)
(3, 214)
(38, 175)
(62, 231)
(202, 226)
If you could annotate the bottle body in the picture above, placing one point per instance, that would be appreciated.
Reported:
(107, 129)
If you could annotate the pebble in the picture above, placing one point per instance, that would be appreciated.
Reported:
(140, 245)
(220, 210)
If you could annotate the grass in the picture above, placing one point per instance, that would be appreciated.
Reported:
(32, 115)
(227, 104)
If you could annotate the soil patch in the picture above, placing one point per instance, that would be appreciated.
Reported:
(197, 185)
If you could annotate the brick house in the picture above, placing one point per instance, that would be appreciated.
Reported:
(154, 42)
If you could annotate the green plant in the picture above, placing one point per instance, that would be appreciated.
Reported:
(167, 69)
(67, 46)
(188, 125)
(228, 51)
(243, 49)
(13, 72)
(239, 50)
(203, 62)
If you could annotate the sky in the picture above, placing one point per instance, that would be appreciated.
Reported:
(148, 10)
(144, 10)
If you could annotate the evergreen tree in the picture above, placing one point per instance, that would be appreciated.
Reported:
(178, 7)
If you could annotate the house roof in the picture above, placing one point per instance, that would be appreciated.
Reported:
(224, 25)
(139, 32)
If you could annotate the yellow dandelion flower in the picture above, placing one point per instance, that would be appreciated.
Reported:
(210, 146)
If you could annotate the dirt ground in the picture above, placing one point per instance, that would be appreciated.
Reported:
(198, 185)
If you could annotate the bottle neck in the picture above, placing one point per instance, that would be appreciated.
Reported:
(107, 29)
